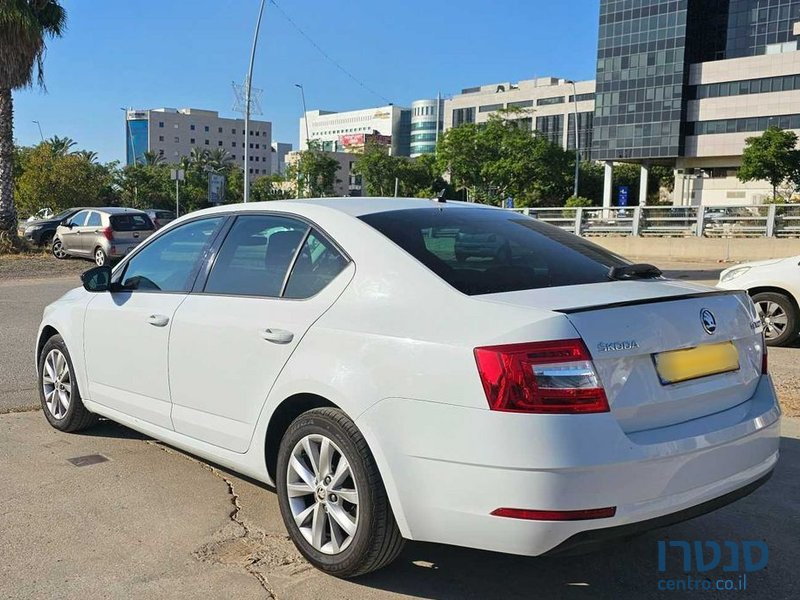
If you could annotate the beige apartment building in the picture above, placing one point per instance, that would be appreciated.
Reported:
(550, 104)
(173, 133)
(734, 99)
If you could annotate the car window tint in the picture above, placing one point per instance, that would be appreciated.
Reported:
(131, 223)
(483, 251)
(94, 220)
(169, 263)
(256, 255)
(79, 219)
(316, 266)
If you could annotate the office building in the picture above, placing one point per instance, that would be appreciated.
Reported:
(549, 104)
(684, 83)
(279, 152)
(427, 122)
(173, 133)
(345, 131)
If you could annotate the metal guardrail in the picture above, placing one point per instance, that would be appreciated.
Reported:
(771, 220)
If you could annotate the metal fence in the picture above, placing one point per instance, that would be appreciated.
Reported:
(773, 220)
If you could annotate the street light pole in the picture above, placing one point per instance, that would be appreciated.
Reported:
(247, 97)
(305, 112)
(577, 141)
(41, 135)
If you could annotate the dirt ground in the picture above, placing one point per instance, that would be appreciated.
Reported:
(40, 265)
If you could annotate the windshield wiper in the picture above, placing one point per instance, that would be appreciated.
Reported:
(635, 271)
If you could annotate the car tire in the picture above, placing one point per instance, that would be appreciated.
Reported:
(57, 248)
(100, 257)
(375, 539)
(58, 389)
(779, 315)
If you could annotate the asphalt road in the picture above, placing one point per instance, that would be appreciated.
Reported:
(21, 306)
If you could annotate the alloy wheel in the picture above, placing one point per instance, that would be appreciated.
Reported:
(58, 249)
(99, 257)
(57, 383)
(773, 317)
(322, 493)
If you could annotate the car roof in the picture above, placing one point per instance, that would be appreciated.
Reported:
(355, 207)
(116, 210)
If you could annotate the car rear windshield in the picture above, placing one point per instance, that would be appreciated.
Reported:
(484, 251)
(131, 223)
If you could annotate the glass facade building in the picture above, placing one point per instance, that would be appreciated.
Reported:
(645, 51)
(641, 73)
(136, 137)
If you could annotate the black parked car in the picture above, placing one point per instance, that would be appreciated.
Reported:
(41, 232)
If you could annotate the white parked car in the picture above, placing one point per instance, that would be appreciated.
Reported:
(774, 286)
(533, 401)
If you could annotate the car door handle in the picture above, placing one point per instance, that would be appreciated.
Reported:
(158, 320)
(277, 336)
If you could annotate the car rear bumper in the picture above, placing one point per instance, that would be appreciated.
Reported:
(446, 468)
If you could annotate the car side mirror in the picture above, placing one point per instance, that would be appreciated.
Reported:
(97, 279)
(69, 225)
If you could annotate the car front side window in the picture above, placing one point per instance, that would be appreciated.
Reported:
(169, 263)
(78, 220)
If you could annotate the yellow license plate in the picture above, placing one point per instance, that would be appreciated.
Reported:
(682, 365)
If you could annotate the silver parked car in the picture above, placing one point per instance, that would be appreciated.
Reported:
(102, 234)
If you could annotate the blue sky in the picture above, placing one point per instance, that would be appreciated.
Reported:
(177, 53)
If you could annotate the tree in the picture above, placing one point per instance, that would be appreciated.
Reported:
(61, 146)
(153, 158)
(314, 171)
(89, 155)
(24, 27)
(378, 169)
(771, 157)
(269, 187)
(503, 158)
(219, 158)
(56, 181)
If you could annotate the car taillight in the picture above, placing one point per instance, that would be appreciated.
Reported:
(541, 377)
(108, 233)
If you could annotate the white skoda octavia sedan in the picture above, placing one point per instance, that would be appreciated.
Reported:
(538, 397)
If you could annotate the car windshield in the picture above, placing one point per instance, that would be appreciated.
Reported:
(483, 251)
(131, 222)
(64, 214)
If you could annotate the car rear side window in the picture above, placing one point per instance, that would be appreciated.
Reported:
(169, 263)
(256, 256)
(131, 223)
(318, 263)
(485, 251)
(94, 219)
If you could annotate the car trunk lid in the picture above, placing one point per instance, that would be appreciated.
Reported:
(634, 330)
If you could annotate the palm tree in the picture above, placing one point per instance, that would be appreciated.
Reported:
(219, 158)
(199, 156)
(89, 155)
(153, 158)
(25, 25)
(61, 146)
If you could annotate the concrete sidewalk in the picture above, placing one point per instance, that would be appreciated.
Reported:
(152, 522)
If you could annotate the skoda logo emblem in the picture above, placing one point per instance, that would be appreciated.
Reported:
(708, 321)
